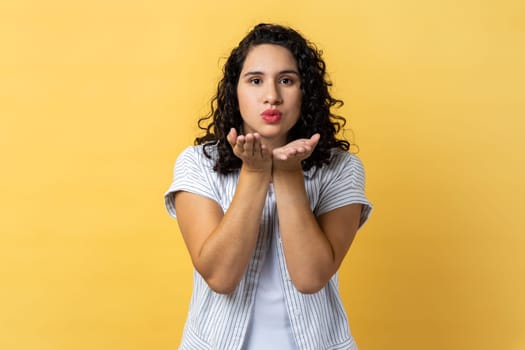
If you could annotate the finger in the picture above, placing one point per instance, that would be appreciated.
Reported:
(300, 149)
(256, 144)
(307, 149)
(314, 140)
(232, 137)
(287, 153)
(241, 140)
(277, 153)
(248, 145)
(265, 152)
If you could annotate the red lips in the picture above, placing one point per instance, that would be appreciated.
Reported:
(271, 115)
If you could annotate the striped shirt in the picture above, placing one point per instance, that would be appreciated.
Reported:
(318, 321)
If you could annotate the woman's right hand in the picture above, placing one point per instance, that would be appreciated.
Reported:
(249, 148)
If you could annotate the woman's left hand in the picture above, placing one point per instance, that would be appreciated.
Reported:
(289, 156)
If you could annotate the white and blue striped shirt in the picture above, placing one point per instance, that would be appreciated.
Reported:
(220, 322)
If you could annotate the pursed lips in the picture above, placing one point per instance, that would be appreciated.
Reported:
(271, 115)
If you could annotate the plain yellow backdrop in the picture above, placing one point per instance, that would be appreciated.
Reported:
(98, 98)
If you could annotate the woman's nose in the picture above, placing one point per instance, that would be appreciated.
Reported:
(272, 94)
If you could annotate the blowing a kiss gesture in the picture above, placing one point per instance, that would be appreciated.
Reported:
(257, 156)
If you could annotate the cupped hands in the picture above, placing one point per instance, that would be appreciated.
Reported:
(257, 156)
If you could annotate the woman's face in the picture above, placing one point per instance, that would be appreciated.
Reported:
(269, 93)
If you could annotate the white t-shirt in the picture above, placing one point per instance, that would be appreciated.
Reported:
(269, 326)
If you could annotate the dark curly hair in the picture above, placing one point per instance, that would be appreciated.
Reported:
(315, 108)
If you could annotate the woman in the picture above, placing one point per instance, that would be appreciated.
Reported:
(268, 203)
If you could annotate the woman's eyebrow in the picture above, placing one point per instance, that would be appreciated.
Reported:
(289, 71)
(286, 71)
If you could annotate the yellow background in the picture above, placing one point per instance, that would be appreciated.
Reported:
(97, 98)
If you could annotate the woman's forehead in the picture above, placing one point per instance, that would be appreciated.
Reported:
(269, 57)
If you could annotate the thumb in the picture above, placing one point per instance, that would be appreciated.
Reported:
(314, 140)
(232, 137)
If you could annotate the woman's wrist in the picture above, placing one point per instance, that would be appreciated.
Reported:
(286, 166)
(288, 173)
(257, 173)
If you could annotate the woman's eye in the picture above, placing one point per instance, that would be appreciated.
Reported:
(286, 81)
(255, 81)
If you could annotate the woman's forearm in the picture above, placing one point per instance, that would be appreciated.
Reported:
(309, 254)
(225, 254)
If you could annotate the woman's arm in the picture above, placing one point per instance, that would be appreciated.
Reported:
(314, 248)
(221, 245)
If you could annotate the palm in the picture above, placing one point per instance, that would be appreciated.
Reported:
(293, 153)
(250, 149)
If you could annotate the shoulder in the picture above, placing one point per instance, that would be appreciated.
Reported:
(193, 173)
(338, 153)
(197, 157)
(343, 169)
(344, 161)
(341, 182)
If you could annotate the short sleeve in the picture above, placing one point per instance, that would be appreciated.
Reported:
(343, 183)
(191, 173)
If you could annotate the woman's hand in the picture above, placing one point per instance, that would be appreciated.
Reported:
(289, 156)
(249, 148)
